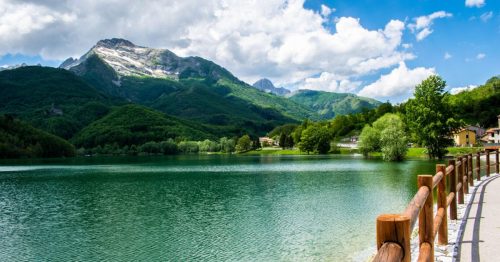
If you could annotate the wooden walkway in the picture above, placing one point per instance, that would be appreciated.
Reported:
(480, 237)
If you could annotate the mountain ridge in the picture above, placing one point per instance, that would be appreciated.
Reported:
(330, 104)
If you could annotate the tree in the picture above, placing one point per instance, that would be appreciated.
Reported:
(393, 143)
(244, 144)
(369, 140)
(315, 138)
(188, 147)
(429, 117)
(227, 145)
(282, 140)
(387, 135)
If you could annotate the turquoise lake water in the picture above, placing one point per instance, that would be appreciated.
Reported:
(199, 208)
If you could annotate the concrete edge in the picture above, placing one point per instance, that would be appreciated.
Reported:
(463, 221)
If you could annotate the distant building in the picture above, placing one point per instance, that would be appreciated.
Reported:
(492, 137)
(479, 131)
(266, 141)
(468, 136)
(465, 137)
(55, 111)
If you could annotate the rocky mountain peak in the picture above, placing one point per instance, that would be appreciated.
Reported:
(128, 59)
(264, 83)
(267, 86)
(114, 42)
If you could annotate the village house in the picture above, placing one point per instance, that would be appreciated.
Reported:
(465, 137)
(267, 141)
(492, 137)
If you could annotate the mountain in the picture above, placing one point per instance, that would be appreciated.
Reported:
(135, 125)
(124, 59)
(54, 100)
(266, 85)
(2, 68)
(19, 139)
(329, 104)
(190, 88)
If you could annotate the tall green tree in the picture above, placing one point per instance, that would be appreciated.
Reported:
(369, 140)
(386, 135)
(315, 138)
(393, 143)
(244, 144)
(430, 118)
(227, 145)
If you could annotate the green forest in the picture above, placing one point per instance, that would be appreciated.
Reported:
(19, 139)
(212, 114)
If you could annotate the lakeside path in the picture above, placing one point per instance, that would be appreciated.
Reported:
(481, 231)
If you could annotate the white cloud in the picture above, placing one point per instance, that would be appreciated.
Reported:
(474, 3)
(486, 16)
(326, 11)
(457, 90)
(422, 26)
(398, 84)
(406, 45)
(328, 82)
(480, 56)
(279, 39)
(447, 56)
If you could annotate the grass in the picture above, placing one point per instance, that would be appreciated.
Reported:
(420, 152)
(414, 152)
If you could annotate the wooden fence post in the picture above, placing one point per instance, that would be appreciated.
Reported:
(394, 228)
(487, 163)
(497, 164)
(426, 216)
(465, 183)
(478, 166)
(470, 173)
(453, 189)
(441, 203)
(460, 180)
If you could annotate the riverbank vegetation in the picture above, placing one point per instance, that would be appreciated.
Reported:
(386, 135)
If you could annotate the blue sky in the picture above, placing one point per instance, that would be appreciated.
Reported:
(366, 47)
(463, 36)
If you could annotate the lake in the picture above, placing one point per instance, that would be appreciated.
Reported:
(200, 207)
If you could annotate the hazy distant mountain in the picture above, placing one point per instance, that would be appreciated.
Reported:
(329, 104)
(266, 85)
(10, 67)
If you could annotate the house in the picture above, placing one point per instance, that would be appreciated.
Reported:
(465, 137)
(54, 111)
(266, 141)
(492, 137)
(479, 131)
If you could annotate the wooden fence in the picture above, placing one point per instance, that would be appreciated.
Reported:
(394, 230)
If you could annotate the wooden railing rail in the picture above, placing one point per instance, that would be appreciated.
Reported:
(394, 230)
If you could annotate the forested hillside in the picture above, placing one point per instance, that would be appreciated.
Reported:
(480, 105)
(19, 139)
(328, 105)
(54, 100)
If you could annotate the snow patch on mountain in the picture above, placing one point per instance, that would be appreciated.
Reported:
(128, 59)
